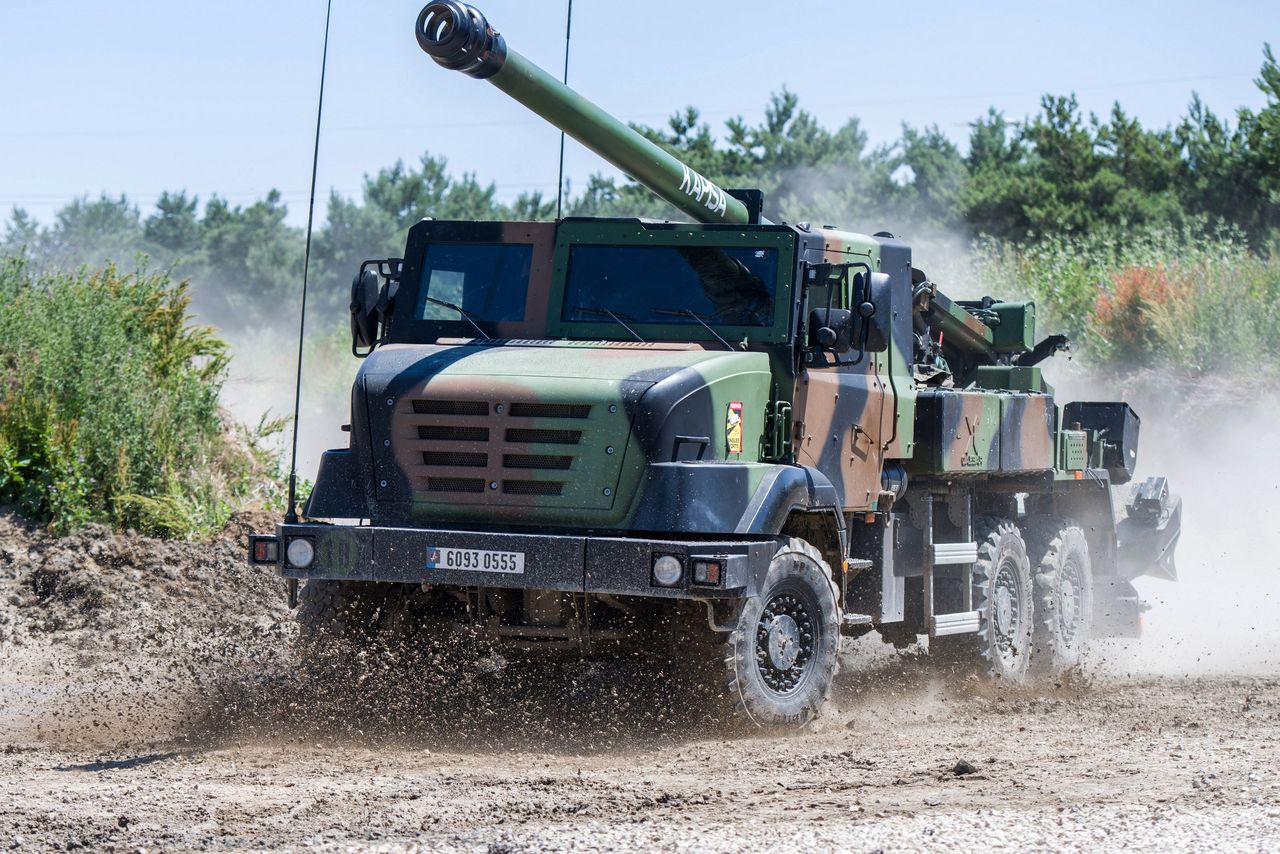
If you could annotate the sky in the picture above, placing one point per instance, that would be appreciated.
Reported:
(140, 97)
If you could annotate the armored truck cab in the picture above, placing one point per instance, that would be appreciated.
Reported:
(729, 441)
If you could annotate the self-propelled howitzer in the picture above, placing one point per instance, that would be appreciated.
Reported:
(728, 442)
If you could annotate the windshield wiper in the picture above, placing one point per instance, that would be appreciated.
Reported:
(590, 309)
(463, 313)
(688, 312)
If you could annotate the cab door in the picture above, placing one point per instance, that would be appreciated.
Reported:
(840, 403)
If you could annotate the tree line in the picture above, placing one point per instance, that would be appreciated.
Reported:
(1054, 174)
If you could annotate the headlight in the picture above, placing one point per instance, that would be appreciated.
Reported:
(667, 570)
(300, 552)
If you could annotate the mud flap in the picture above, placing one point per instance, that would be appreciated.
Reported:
(1148, 535)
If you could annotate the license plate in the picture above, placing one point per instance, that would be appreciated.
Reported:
(475, 560)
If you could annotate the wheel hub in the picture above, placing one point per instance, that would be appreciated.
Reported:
(1070, 601)
(1008, 614)
(785, 643)
(1068, 597)
(1004, 610)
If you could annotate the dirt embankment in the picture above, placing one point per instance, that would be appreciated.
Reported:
(110, 638)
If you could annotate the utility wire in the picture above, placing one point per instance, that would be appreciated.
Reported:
(292, 514)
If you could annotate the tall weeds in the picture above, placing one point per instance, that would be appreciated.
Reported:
(1190, 301)
(109, 405)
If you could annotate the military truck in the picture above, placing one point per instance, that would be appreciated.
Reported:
(727, 443)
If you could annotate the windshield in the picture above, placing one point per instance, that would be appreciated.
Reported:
(487, 280)
(672, 284)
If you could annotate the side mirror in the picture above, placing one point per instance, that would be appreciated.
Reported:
(364, 310)
(876, 312)
(831, 329)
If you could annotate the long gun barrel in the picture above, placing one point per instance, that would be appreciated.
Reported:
(458, 37)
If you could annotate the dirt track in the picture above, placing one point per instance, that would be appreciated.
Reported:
(133, 717)
(1167, 764)
(148, 700)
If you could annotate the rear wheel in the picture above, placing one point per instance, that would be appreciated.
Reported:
(1063, 595)
(1002, 593)
(783, 652)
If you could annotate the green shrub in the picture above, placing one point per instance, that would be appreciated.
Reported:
(109, 405)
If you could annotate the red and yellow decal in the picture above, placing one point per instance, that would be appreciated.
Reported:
(733, 427)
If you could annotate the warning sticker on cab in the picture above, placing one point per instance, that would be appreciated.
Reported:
(733, 427)
(475, 560)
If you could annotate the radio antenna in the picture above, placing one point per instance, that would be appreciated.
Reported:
(291, 515)
(568, 25)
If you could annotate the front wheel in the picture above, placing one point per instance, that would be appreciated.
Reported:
(784, 649)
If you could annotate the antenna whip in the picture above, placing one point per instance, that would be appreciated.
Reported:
(292, 515)
(568, 24)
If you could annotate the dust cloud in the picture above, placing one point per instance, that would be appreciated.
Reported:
(261, 384)
(1214, 441)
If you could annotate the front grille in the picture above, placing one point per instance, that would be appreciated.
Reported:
(534, 409)
(536, 461)
(493, 451)
(534, 436)
(455, 458)
(455, 484)
(453, 433)
(532, 487)
(451, 407)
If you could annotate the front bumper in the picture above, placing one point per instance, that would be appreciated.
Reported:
(581, 564)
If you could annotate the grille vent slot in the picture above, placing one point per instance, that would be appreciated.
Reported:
(532, 487)
(453, 433)
(536, 436)
(451, 407)
(455, 484)
(470, 459)
(536, 461)
(534, 409)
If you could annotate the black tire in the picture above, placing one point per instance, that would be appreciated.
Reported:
(1063, 595)
(331, 612)
(783, 652)
(1002, 596)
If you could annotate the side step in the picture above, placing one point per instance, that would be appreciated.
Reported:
(857, 619)
(952, 554)
(959, 623)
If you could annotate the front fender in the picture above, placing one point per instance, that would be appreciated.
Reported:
(727, 497)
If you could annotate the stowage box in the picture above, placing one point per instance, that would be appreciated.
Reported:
(1117, 427)
(975, 432)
